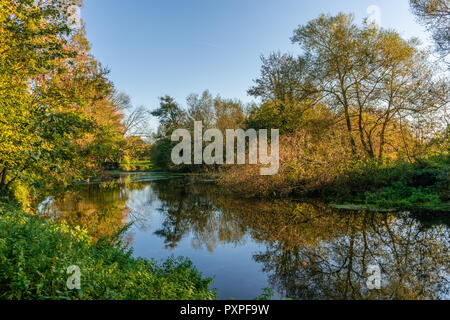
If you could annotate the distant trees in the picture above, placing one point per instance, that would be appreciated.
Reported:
(371, 80)
(213, 112)
(378, 81)
(171, 117)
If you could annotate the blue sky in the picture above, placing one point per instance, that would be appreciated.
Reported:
(178, 47)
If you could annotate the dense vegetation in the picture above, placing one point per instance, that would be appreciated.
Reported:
(62, 121)
(35, 255)
(362, 115)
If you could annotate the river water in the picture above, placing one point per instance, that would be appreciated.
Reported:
(301, 250)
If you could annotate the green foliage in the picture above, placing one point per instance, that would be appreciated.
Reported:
(58, 119)
(143, 165)
(126, 164)
(424, 184)
(399, 195)
(169, 114)
(161, 153)
(35, 255)
(276, 115)
(267, 294)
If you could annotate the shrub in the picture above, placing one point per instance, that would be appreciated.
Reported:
(400, 195)
(307, 165)
(35, 255)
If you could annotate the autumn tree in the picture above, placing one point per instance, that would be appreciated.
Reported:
(58, 119)
(34, 51)
(372, 77)
(229, 114)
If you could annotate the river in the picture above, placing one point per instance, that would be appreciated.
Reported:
(299, 249)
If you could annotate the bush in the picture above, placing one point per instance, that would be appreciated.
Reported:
(126, 164)
(401, 196)
(35, 255)
(399, 184)
(307, 165)
(326, 168)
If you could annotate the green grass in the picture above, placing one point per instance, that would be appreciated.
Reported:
(402, 196)
(35, 255)
(139, 166)
(423, 185)
(136, 166)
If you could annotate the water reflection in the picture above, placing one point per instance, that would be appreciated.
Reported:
(302, 250)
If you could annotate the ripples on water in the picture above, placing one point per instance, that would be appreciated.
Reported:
(302, 250)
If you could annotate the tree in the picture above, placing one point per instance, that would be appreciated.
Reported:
(135, 119)
(58, 119)
(229, 114)
(435, 16)
(34, 54)
(283, 78)
(370, 77)
(200, 108)
(170, 115)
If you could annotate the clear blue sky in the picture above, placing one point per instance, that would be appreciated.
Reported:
(178, 47)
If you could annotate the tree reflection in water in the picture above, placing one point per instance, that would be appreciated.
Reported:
(311, 251)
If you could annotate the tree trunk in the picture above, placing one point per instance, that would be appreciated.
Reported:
(382, 141)
(347, 117)
(349, 129)
(3, 177)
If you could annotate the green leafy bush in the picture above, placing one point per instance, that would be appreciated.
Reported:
(403, 185)
(400, 195)
(35, 255)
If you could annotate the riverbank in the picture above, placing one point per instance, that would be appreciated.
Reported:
(243, 243)
(35, 255)
(390, 186)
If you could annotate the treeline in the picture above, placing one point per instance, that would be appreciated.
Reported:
(359, 97)
(61, 119)
(362, 113)
(217, 113)
(359, 101)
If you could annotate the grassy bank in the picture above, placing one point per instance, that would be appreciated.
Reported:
(139, 166)
(423, 185)
(397, 185)
(420, 186)
(35, 255)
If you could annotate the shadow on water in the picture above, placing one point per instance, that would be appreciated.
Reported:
(303, 250)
